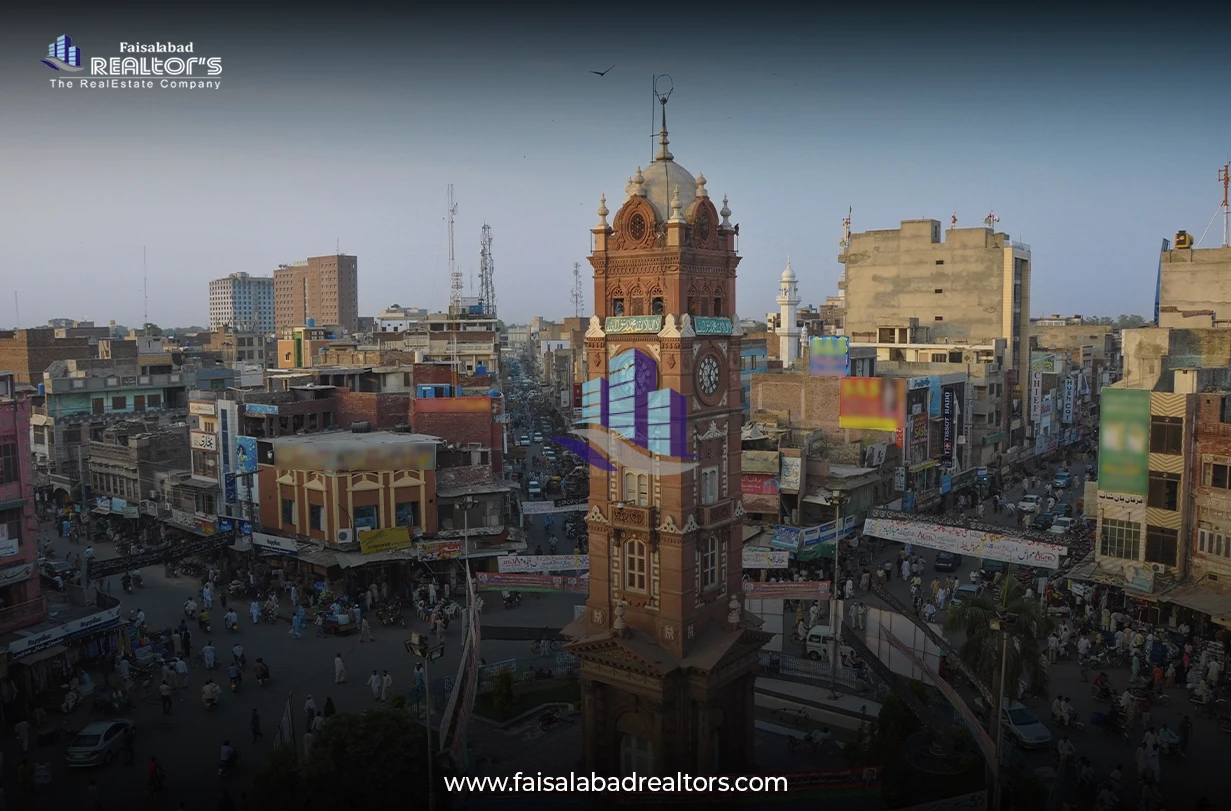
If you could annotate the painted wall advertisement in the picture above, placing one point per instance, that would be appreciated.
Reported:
(946, 424)
(871, 403)
(918, 447)
(245, 454)
(1036, 396)
(1124, 441)
(969, 542)
(792, 467)
(1070, 395)
(758, 557)
(759, 493)
(829, 356)
(389, 539)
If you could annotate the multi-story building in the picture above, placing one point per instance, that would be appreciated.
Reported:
(753, 357)
(965, 285)
(470, 340)
(125, 461)
(242, 303)
(82, 398)
(396, 318)
(1194, 285)
(323, 288)
(27, 353)
(299, 347)
(19, 577)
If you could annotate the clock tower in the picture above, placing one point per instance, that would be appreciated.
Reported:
(668, 658)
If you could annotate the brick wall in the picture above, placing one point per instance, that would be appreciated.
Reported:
(383, 411)
(28, 352)
(463, 476)
(1212, 505)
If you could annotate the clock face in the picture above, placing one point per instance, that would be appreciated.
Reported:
(636, 227)
(708, 376)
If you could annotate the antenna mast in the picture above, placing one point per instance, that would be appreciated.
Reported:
(1225, 176)
(579, 301)
(455, 275)
(487, 268)
(145, 293)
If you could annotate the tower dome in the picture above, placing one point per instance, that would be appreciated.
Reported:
(664, 176)
(788, 275)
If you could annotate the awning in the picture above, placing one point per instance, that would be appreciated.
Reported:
(1204, 598)
(822, 499)
(44, 654)
(820, 551)
(12, 504)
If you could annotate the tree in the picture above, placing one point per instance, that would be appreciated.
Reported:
(1131, 321)
(372, 755)
(152, 330)
(981, 650)
(502, 690)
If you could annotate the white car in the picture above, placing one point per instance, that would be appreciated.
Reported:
(1062, 525)
(819, 641)
(1030, 503)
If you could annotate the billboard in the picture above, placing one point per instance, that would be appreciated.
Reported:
(1124, 441)
(759, 493)
(946, 425)
(1070, 394)
(1036, 396)
(871, 403)
(390, 539)
(829, 356)
(968, 542)
(245, 454)
(757, 557)
(789, 477)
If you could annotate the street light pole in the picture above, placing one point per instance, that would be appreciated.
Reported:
(1001, 624)
(418, 645)
(835, 622)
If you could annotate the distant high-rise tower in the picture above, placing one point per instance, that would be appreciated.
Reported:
(243, 302)
(788, 315)
(324, 288)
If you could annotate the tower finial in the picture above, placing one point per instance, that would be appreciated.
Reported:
(602, 212)
(662, 89)
(677, 213)
(725, 212)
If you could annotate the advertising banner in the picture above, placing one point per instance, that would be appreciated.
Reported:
(1124, 441)
(946, 424)
(760, 462)
(202, 409)
(245, 454)
(560, 505)
(390, 539)
(829, 356)
(438, 550)
(1070, 394)
(759, 493)
(795, 590)
(785, 537)
(1036, 396)
(69, 630)
(275, 543)
(758, 557)
(792, 467)
(532, 583)
(874, 455)
(969, 542)
(536, 564)
(871, 403)
(918, 450)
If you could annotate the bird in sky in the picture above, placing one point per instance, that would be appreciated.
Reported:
(602, 73)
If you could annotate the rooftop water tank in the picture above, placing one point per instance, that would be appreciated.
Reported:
(493, 393)
(42, 390)
(311, 322)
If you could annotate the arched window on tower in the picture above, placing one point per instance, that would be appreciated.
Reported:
(617, 306)
(637, 488)
(717, 304)
(692, 302)
(634, 565)
(656, 305)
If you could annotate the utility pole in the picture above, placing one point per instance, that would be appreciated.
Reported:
(835, 622)
(419, 646)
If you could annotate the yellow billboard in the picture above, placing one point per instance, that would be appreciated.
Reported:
(390, 539)
(871, 403)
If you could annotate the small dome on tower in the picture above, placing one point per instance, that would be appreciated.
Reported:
(788, 275)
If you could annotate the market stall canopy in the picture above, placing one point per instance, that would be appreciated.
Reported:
(1203, 597)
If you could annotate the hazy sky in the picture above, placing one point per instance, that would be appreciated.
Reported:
(1092, 138)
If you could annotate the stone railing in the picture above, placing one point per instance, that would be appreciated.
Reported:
(716, 514)
(630, 517)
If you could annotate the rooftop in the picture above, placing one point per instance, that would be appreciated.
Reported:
(350, 439)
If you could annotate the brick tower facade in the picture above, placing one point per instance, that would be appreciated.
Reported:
(667, 655)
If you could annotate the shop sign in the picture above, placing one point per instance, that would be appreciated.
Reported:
(794, 590)
(785, 537)
(438, 550)
(533, 564)
(201, 409)
(1140, 578)
(260, 408)
(69, 630)
(758, 557)
(389, 539)
(181, 517)
(204, 442)
(273, 543)
(102, 505)
(16, 574)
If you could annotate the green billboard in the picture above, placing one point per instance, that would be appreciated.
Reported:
(1124, 442)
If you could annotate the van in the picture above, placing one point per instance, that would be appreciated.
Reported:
(818, 643)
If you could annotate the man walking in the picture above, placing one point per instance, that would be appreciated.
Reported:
(164, 690)
(374, 683)
(339, 670)
(365, 630)
(386, 685)
(255, 724)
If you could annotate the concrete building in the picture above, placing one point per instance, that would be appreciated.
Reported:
(242, 302)
(1194, 286)
(472, 340)
(396, 318)
(323, 288)
(125, 461)
(668, 656)
(23, 604)
(27, 353)
(753, 358)
(966, 285)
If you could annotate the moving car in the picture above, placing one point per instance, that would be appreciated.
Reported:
(965, 592)
(523, 440)
(539, 438)
(1062, 525)
(534, 489)
(1062, 479)
(1030, 503)
(990, 567)
(947, 562)
(1042, 522)
(50, 568)
(98, 742)
(1025, 726)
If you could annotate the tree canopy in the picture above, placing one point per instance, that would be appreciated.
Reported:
(981, 650)
(1123, 321)
(379, 756)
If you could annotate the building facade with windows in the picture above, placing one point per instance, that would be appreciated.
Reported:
(243, 303)
(322, 288)
(23, 604)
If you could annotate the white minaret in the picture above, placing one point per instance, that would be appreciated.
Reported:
(788, 304)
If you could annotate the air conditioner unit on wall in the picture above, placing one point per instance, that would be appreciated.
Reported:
(346, 536)
(1158, 568)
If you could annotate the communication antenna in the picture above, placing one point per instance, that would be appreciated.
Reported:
(1225, 176)
(145, 293)
(487, 269)
(455, 275)
(16, 310)
(578, 297)
(991, 219)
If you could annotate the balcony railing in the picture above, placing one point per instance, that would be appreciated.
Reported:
(631, 517)
(716, 514)
(1221, 429)
(15, 613)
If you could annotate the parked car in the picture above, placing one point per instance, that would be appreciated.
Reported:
(524, 440)
(1062, 525)
(965, 592)
(98, 742)
(1030, 503)
(1062, 479)
(1042, 522)
(990, 567)
(947, 562)
(819, 640)
(50, 568)
(1025, 727)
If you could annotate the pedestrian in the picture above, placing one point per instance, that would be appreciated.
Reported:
(339, 670)
(22, 728)
(208, 654)
(181, 670)
(187, 638)
(207, 596)
(320, 625)
(25, 778)
(164, 690)
(177, 642)
(309, 711)
(386, 685)
(254, 611)
(255, 723)
(374, 685)
(296, 625)
(307, 744)
(329, 710)
(365, 630)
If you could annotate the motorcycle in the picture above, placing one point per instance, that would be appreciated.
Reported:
(203, 624)
(234, 684)
(211, 704)
(549, 719)
(512, 599)
(233, 627)
(137, 581)
(226, 766)
(126, 583)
